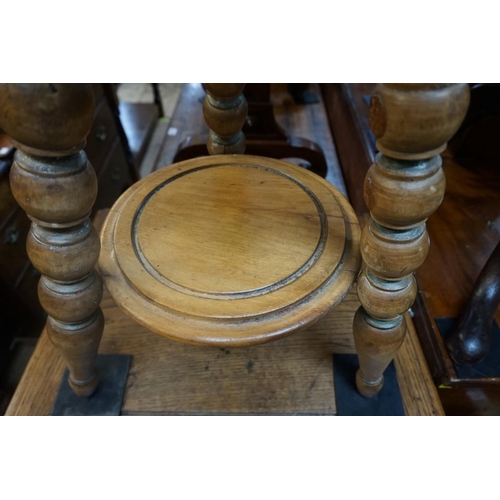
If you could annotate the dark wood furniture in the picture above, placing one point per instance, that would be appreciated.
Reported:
(478, 136)
(476, 140)
(20, 313)
(264, 136)
(135, 124)
(469, 341)
(107, 150)
(463, 234)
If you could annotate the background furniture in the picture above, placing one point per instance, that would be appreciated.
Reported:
(463, 232)
(264, 136)
(135, 123)
(469, 340)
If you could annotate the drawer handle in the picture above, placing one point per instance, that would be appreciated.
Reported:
(11, 235)
(100, 133)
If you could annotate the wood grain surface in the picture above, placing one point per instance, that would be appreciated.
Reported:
(55, 184)
(307, 121)
(293, 375)
(229, 250)
(404, 186)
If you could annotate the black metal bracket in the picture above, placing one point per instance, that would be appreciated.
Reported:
(387, 402)
(107, 400)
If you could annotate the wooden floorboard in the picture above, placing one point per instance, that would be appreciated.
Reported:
(291, 376)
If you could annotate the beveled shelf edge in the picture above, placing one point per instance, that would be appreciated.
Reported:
(243, 332)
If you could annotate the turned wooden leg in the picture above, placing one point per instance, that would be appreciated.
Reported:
(405, 185)
(225, 111)
(54, 183)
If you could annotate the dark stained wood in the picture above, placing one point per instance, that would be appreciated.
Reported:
(306, 122)
(464, 231)
(107, 139)
(465, 235)
(478, 135)
(113, 178)
(347, 112)
(469, 342)
(308, 152)
(187, 120)
(157, 99)
(264, 136)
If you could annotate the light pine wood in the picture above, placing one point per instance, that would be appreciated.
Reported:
(225, 111)
(54, 183)
(229, 250)
(291, 376)
(419, 393)
(264, 211)
(405, 185)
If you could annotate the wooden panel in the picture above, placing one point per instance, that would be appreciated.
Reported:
(463, 233)
(114, 178)
(13, 256)
(415, 381)
(347, 113)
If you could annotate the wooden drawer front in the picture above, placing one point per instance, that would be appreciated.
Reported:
(101, 137)
(114, 178)
(13, 256)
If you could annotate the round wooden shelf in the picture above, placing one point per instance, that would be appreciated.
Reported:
(229, 250)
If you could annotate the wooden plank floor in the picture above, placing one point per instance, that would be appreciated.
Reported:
(287, 377)
(291, 376)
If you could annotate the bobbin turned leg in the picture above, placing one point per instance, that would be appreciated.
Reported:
(405, 185)
(54, 183)
(225, 111)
